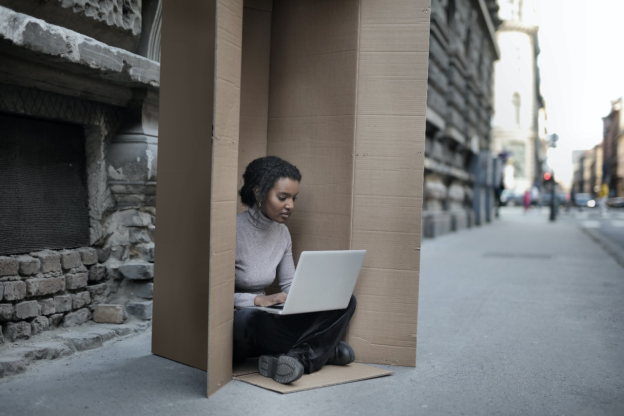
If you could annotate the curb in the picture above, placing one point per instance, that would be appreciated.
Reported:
(17, 361)
(607, 244)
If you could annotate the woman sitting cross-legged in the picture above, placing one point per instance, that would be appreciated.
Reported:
(288, 345)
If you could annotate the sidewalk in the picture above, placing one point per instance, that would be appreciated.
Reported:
(520, 317)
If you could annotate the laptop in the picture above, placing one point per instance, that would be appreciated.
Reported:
(323, 281)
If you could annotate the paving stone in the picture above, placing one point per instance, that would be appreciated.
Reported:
(42, 287)
(27, 309)
(142, 327)
(42, 351)
(109, 314)
(70, 259)
(143, 290)
(63, 303)
(47, 306)
(104, 333)
(14, 290)
(53, 350)
(80, 299)
(56, 319)
(17, 330)
(75, 318)
(8, 266)
(1, 336)
(11, 365)
(1, 290)
(50, 260)
(97, 272)
(141, 310)
(82, 341)
(39, 324)
(28, 265)
(137, 271)
(76, 281)
(120, 329)
(103, 254)
(88, 255)
(6, 311)
(99, 293)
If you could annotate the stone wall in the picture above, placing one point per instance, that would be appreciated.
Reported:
(55, 67)
(462, 51)
(46, 289)
(114, 22)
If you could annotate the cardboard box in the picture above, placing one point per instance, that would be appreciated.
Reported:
(336, 87)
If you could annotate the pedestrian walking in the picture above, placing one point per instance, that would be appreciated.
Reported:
(602, 199)
(526, 201)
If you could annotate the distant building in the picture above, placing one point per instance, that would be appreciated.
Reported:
(519, 111)
(613, 144)
(459, 171)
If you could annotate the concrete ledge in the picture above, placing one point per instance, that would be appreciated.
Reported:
(459, 220)
(55, 44)
(17, 360)
(436, 224)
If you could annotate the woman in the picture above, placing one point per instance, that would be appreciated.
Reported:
(288, 345)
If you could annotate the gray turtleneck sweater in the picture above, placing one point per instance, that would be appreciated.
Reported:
(263, 252)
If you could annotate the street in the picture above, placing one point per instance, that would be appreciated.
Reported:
(518, 317)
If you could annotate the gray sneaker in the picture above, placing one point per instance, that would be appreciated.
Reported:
(283, 369)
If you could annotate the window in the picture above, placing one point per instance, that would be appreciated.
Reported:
(515, 100)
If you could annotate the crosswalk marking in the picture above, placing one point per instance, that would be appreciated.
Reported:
(617, 223)
(590, 224)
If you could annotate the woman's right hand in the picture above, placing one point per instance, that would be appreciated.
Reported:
(270, 300)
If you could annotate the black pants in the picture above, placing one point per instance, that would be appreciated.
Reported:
(308, 337)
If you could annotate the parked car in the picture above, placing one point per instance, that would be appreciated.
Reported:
(545, 198)
(510, 198)
(584, 200)
(617, 202)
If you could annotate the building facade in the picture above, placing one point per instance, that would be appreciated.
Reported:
(613, 149)
(518, 124)
(459, 171)
(79, 84)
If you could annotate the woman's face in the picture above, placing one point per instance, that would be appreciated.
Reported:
(280, 201)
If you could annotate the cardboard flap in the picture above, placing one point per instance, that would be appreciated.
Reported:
(330, 375)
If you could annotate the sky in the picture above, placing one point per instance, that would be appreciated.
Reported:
(582, 70)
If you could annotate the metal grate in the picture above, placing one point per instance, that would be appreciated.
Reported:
(43, 185)
(49, 105)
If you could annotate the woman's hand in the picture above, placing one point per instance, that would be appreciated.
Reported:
(270, 300)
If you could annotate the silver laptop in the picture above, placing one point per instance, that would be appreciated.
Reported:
(324, 280)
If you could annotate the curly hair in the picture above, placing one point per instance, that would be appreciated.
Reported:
(262, 174)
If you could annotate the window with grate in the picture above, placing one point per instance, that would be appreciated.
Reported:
(43, 185)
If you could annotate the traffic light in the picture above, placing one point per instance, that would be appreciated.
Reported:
(547, 176)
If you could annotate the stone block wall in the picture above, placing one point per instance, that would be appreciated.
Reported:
(51, 288)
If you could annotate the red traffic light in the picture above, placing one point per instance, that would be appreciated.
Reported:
(547, 176)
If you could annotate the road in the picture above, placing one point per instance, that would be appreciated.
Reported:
(520, 317)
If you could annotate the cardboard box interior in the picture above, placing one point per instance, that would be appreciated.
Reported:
(336, 87)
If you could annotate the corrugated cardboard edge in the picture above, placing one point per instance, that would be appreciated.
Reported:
(388, 174)
(304, 383)
(180, 322)
(229, 37)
